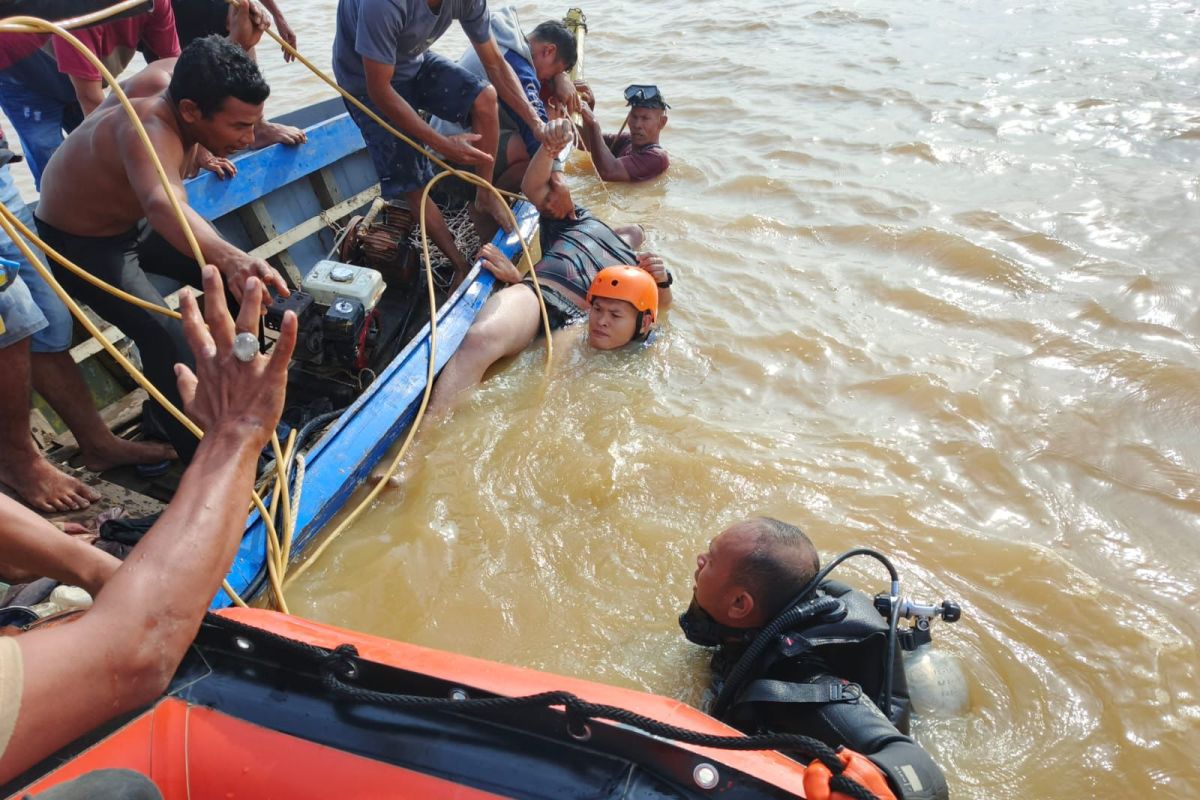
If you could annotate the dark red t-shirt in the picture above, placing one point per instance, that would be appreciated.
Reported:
(643, 163)
(116, 42)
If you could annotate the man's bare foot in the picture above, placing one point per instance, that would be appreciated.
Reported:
(118, 452)
(494, 207)
(485, 226)
(45, 488)
(269, 133)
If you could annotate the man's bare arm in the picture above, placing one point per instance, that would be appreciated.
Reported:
(235, 265)
(121, 653)
(608, 165)
(33, 547)
(536, 183)
(508, 88)
(397, 110)
(89, 93)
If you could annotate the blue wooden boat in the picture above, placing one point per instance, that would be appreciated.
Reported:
(282, 205)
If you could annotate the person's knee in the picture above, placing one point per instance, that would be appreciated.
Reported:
(486, 104)
(482, 344)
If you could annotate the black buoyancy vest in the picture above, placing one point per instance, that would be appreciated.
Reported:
(850, 647)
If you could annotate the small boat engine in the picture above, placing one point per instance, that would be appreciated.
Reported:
(336, 308)
(379, 239)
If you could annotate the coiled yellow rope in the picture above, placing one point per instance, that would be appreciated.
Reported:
(278, 552)
(35, 25)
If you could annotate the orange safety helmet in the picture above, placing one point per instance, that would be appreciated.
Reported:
(633, 285)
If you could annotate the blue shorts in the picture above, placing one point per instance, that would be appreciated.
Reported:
(19, 315)
(35, 308)
(442, 88)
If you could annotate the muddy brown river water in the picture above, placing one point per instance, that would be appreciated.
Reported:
(936, 294)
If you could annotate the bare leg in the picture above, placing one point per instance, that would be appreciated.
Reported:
(22, 466)
(517, 158)
(486, 122)
(435, 226)
(505, 326)
(58, 379)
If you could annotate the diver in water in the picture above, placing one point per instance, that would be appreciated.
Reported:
(576, 247)
(817, 677)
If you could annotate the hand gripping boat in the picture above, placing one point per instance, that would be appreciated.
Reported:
(266, 705)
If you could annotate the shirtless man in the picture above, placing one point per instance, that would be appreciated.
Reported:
(104, 208)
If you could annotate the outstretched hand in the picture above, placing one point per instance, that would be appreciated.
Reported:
(859, 768)
(225, 394)
(460, 148)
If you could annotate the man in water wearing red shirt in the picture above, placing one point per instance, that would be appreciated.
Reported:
(634, 156)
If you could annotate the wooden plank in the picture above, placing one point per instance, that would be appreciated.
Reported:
(87, 349)
(313, 224)
(261, 229)
(115, 415)
(325, 188)
(263, 171)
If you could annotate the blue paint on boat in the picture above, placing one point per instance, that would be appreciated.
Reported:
(344, 456)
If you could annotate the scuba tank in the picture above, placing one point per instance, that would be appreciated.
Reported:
(937, 682)
(939, 677)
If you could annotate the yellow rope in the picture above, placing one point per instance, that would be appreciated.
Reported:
(429, 374)
(278, 552)
(82, 273)
(35, 25)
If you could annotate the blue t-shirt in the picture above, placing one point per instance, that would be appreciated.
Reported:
(397, 32)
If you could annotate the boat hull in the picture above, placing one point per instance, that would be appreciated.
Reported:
(251, 713)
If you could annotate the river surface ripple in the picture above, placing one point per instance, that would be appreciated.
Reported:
(937, 296)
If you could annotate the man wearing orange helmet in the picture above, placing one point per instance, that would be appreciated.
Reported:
(576, 249)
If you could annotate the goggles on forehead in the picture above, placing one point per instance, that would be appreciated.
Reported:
(645, 95)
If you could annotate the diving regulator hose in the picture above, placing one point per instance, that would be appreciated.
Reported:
(278, 551)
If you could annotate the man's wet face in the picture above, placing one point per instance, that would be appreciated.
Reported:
(229, 129)
(645, 124)
(714, 573)
(611, 323)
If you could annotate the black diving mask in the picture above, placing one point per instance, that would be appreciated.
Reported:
(700, 628)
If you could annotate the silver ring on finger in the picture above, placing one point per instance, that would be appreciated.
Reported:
(245, 347)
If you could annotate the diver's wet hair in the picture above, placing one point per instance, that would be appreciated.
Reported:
(554, 32)
(213, 68)
(782, 562)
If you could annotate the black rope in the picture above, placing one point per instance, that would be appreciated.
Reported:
(340, 664)
(579, 711)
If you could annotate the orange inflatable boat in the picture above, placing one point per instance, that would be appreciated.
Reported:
(270, 706)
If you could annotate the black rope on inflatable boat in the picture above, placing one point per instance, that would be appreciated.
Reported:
(579, 712)
(340, 664)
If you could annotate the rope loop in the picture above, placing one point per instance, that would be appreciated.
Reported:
(342, 663)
